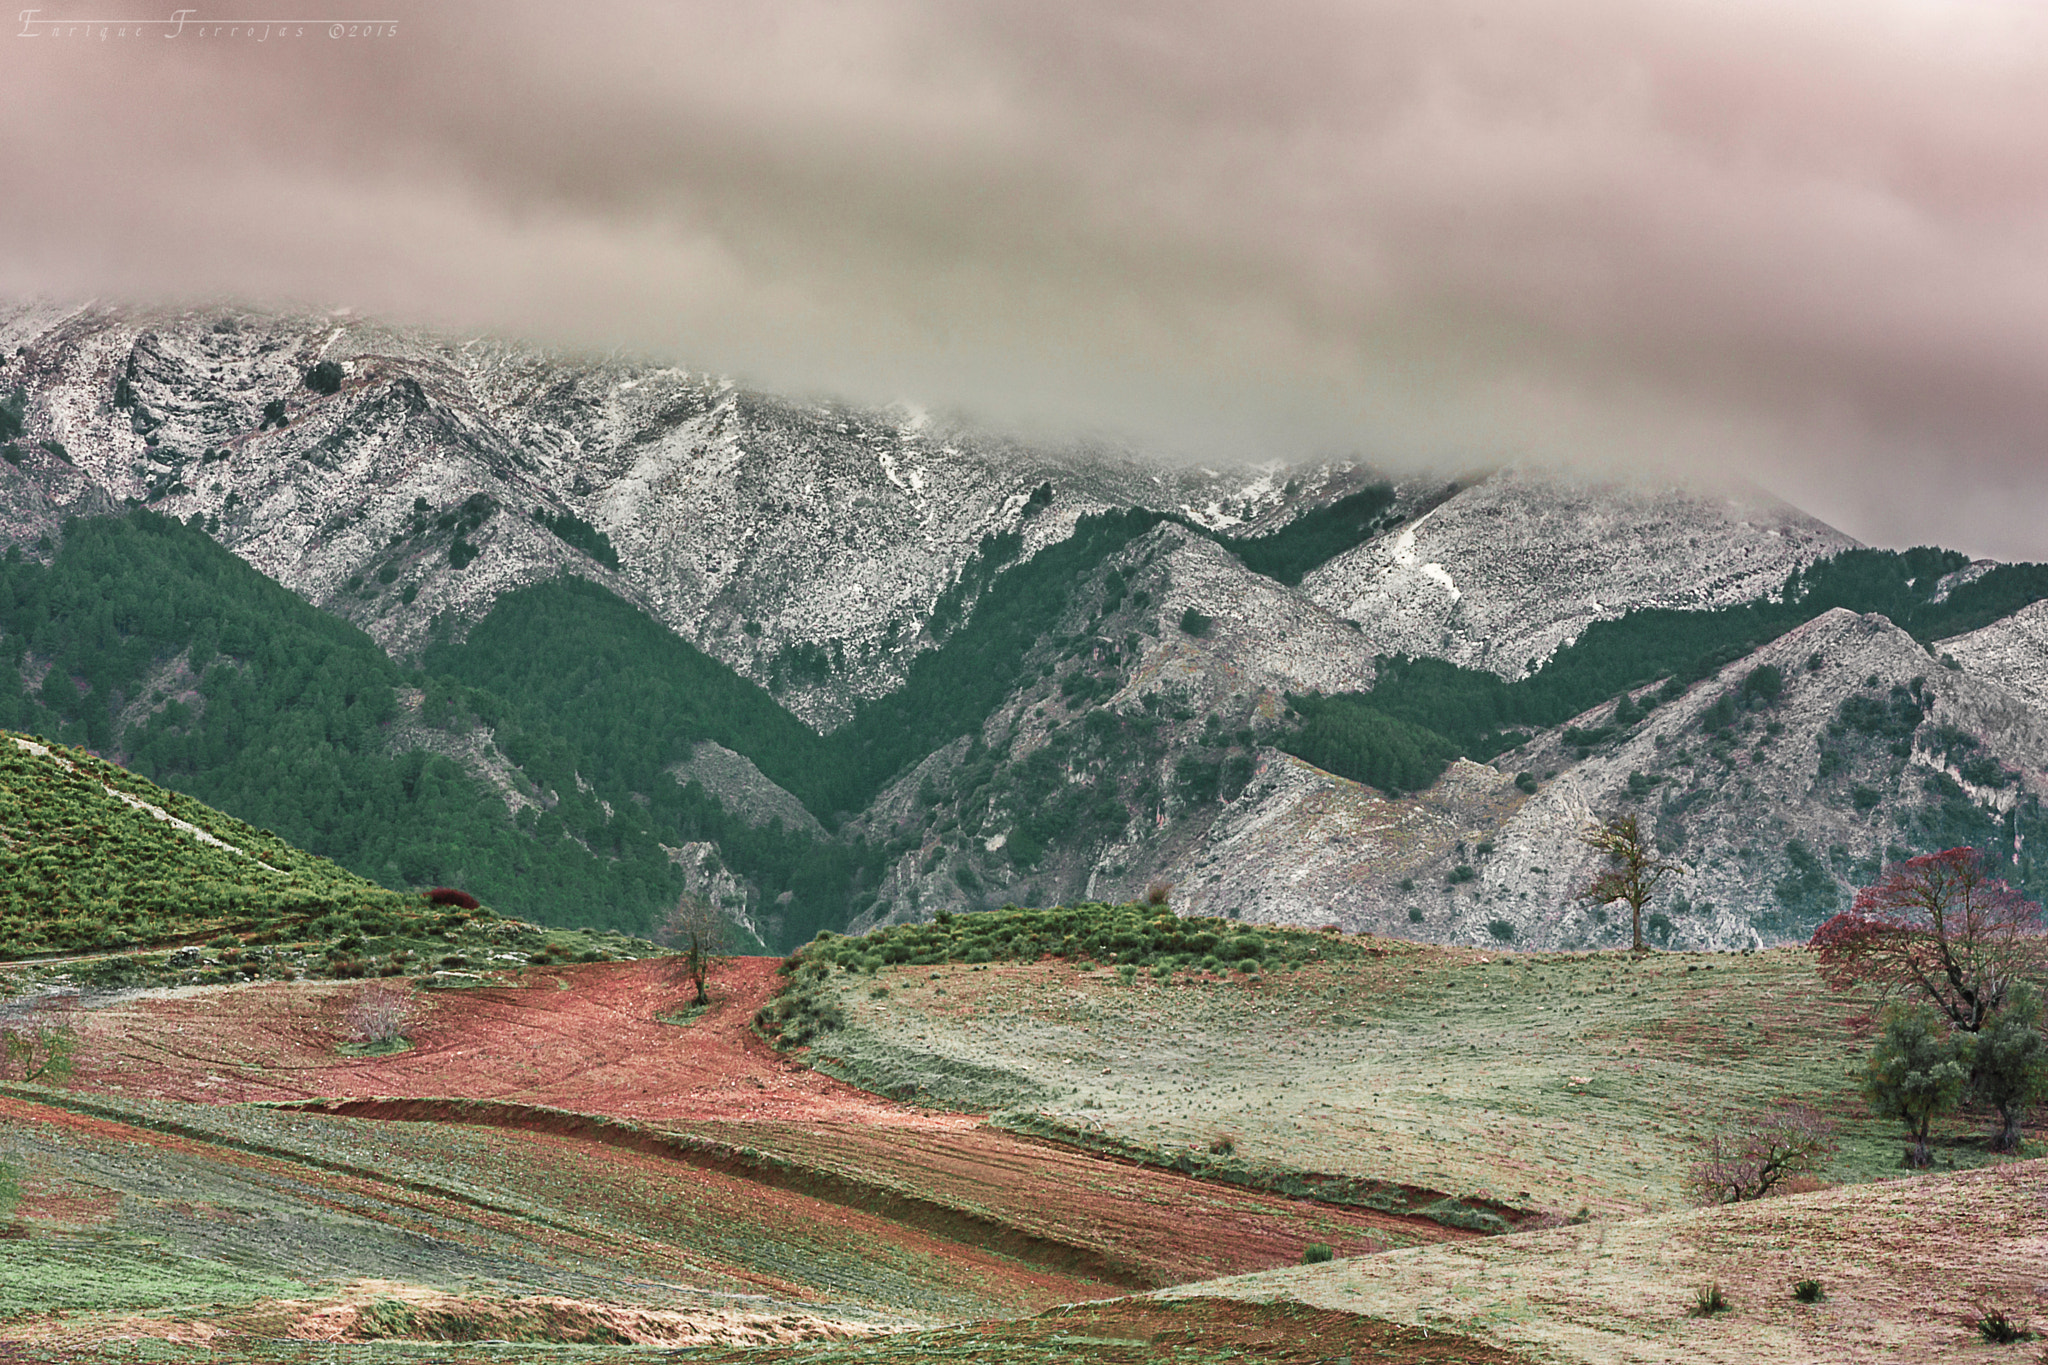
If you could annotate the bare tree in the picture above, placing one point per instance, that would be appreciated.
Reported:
(1763, 1150)
(1634, 871)
(1940, 928)
(697, 931)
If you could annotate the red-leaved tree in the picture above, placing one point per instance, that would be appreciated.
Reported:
(1941, 928)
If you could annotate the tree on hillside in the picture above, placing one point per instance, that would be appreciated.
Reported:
(1634, 871)
(1939, 928)
(1762, 1151)
(1917, 1073)
(697, 931)
(2009, 1065)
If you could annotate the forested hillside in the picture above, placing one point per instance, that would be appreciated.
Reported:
(144, 640)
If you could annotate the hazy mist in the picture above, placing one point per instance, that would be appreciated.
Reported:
(1802, 241)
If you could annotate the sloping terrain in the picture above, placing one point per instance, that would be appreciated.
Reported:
(1531, 1082)
(1907, 1266)
(767, 532)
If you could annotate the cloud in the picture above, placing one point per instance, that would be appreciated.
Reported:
(1805, 242)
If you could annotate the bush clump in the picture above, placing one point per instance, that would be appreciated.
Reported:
(1139, 936)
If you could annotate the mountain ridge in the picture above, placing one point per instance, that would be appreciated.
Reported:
(935, 668)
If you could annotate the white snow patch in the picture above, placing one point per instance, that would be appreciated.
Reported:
(888, 462)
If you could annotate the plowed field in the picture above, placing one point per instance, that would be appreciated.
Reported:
(559, 1101)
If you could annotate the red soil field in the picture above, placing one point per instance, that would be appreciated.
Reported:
(582, 1038)
(585, 1039)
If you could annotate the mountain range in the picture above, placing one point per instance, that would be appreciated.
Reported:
(582, 634)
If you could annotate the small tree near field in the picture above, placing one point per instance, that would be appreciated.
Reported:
(1634, 871)
(697, 931)
(2010, 1064)
(1917, 1073)
(1937, 928)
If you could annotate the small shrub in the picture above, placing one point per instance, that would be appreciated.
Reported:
(1808, 1291)
(1157, 892)
(1223, 1144)
(448, 895)
(1763, 1150)
(1462, 873)
(1456, 1213)
(1415, 914)
(377, 1015)
(325, 377)
(1315, 1253)
(1525, 782)
(1195, 623)
(1502, 930)
(1709, 1301)
(1995, 1327)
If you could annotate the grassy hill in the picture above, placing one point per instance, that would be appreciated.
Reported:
(148, 884)
(97, 858)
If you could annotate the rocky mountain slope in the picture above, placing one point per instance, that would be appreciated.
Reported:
(802, 544)
(1020, 673)
(1523, 560)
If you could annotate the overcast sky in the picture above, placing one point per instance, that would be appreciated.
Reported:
(1802, 240)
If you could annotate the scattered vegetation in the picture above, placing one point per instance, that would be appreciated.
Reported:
(1634, 870)
(376, 1018)
(1808, 1291)
(698, 932)
(1916, 1073)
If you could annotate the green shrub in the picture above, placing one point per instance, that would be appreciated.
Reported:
(1995, 1327)
(325, 377)
(1456, 1213)
(1808, 1291)
(1709, 1301)
(1315, 1253)
(1502, 930)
